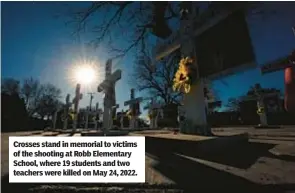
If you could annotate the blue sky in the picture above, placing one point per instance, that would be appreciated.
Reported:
(35, 43)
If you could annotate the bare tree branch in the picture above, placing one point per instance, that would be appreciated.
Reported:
(133, 19)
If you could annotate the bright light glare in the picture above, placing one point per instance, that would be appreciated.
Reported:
(85, 74)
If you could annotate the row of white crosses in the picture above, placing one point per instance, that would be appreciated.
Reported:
(64, 116)
(66, 108)
(108, 87)
(109, 101)
(133, 121)
(95, 114)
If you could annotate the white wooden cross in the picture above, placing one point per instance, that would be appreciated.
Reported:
(260, 104)
(108, 87)
(54, 117)
(288, 65)
(87, 114)
(133, 122)
(113, 114)
(65, 115)
(76, 100)
(98, 112)
(185, 40)
(156, 108)
(181, 114)
(122, 119)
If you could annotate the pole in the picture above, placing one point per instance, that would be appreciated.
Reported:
(91, 97)
(76, 100)
(54, 119)
(87, 116)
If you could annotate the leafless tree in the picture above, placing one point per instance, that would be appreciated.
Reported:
(10, 86)
(126, 22)
(233, 104)
(254, 91)
(41, 99)
(129, 22)
(29, 92)
(158, 81)
(47, 100)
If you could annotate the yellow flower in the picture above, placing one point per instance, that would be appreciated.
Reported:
(181, 79)
(72, 115)
(129, 114)
(152, 114)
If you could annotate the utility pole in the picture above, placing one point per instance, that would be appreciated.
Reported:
(91, 97)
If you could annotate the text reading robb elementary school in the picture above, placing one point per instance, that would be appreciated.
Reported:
(77, 159)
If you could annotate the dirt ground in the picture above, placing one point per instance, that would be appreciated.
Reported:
(264, 164)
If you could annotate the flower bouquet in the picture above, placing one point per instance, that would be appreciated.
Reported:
(184, 76)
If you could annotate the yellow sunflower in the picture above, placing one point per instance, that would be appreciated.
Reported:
(182, 76)
(129, 114)
(260, 110)
(152, 114)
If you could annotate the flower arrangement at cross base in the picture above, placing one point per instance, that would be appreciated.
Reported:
(132, 113)
(184, 76)
(260, 110)
(152, 114)
(129, 114)
(71, 114)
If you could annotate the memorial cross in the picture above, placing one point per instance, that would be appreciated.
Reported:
(259, 97)
(193, 26)
(122, 119)
(113, 114)
(87, 113)
(76, 100)
(154, 109)
(65, 115)
(134, 109)
(288, 65)
(108, 87)
(98, 112)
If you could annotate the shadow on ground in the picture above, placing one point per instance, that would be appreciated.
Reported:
(237, 153)
(109, 133)
(188, 175)
(288, 158)
(7, 187)
(192, 176)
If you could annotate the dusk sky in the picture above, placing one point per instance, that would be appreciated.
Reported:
(35, 43)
